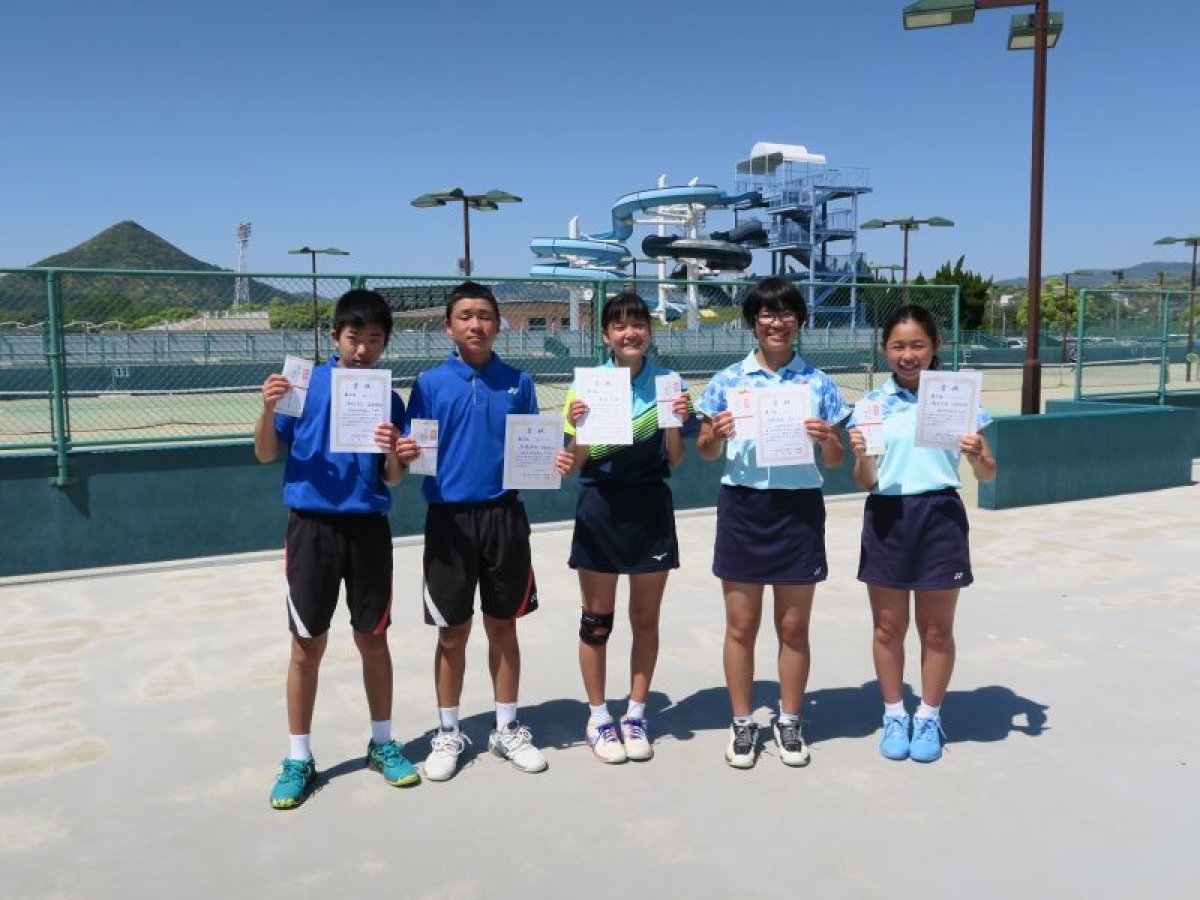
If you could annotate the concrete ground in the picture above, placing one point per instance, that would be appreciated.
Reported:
(141, 723)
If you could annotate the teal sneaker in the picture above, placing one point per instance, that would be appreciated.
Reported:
(926, 744)
(389, 759)
(296, 777)
(894, 743)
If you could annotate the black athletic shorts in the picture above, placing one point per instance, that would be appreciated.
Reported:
(624, 528)
(478, 544)
(324, 549)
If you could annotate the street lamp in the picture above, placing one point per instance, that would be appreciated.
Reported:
(906, 225)
(328, 251)
(1190, 241)
(1037, 32)
(892, 268)
(488, 202)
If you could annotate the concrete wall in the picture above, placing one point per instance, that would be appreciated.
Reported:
(1087, 449)
(146, 505)
(1188, 401)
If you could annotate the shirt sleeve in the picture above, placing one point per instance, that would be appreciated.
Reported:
(529, 403)
(833, 408)
(285, 427)
(417, 407)
(713, 400)
(397, 411)
(984, 419)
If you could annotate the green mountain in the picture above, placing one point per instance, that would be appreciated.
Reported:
(98, 298)
(1143, 275)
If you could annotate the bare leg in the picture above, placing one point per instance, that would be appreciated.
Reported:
(377, 673)
(302, 681)
(450, 662)
(935, 627)
(743, 613)
(793, 610)
(504, 657)
(645, 600)
(599, 593)
(889, 612)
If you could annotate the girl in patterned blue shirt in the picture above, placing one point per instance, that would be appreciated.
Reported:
(914, 537)
(770, 521)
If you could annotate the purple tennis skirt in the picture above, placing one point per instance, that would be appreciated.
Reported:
(771, 536)
(916, 542)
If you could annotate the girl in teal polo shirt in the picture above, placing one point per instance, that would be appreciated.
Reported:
(914, 537)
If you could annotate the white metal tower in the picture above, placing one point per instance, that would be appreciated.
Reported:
(241, 287)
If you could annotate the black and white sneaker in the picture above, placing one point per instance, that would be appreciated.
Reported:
(743, 746)
(792, 749)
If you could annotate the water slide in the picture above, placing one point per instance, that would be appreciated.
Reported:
(595, 256)
(719, 255)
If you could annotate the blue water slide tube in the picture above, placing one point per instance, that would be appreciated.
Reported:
(642, 201)
(563, 271)
(598, 253)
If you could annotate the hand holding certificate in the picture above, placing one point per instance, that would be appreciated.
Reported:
(298, 372)
(783, 438)
(531, 445)
(360, 399)
(868, 419)
(608, 394)
(947, 407)
(425, 433)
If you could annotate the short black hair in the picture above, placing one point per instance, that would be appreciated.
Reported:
(625, 305)
(359, 307)
(472, 290)
(773, 294)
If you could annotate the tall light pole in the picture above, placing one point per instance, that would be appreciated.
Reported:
(892, 268)
(488, 202)
(1038, 32)
(906, 225)
(328, 251)
(1066, 300)
(1190, 241)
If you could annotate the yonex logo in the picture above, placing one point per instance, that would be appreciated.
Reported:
(817, 570)
(512, 390)
(958, 576)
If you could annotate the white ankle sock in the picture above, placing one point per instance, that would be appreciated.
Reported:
(381, 732)
(598, 715)
(894, 709)
(448, 717)
(925, 711)
(506, 714)
(636, 710)
(300, 746)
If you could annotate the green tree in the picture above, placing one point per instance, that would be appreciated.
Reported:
(972, 291)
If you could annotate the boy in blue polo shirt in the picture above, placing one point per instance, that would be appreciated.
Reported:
(476, 533)
(337, 530)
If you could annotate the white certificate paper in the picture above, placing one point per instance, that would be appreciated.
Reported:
(782, 438)
(947, 407)
(666, 389)
(609, 397)
(425, 433)
(298, 372)
(531, 445)
(360, 399)
(868, 419)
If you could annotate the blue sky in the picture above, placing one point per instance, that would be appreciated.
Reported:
(318, 123)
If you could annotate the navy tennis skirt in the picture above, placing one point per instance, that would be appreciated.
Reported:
(916, 542)
(770, 536)
(624, 528)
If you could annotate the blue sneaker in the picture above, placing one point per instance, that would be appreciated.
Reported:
(926, 745)
(296, 776)
(894, 743)
(389, 759)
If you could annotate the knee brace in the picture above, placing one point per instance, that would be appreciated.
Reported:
(594, 628)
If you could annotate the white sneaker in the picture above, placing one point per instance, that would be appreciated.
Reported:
(637, 742)
(606, 746)
(442, 761)
(792, 749)
(515, 744)
(743, 746)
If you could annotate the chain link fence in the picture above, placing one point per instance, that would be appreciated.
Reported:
(98, 358)
(1134, 342)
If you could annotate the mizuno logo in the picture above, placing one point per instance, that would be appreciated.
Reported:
(658, 556)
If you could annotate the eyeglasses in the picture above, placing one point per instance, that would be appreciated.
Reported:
(783, 318)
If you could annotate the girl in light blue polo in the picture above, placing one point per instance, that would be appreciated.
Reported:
(914, 537)
(770, 521)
